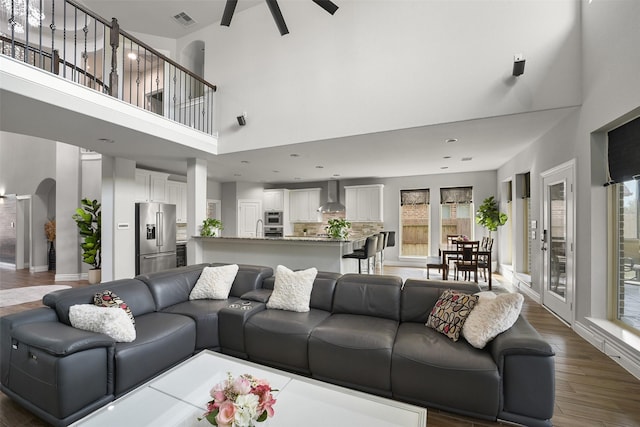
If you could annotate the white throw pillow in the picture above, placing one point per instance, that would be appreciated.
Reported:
(112, 321)
(214, 282)
(292, 289)
(492, 315)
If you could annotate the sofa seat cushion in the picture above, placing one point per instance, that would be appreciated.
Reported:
(205, 315)
(163, 339)
(430, 369)
(280, 338)
(354, 350)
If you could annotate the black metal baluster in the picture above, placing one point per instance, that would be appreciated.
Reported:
(75, 43)
(54, 65)
(144, 82)
(64, 40)
(26, 23)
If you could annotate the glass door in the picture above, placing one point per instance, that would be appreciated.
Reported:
(557, 241)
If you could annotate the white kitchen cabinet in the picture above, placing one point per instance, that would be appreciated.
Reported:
(274, 200)
(177, 195)
(151, 186)
(304, 204)
(364, 203)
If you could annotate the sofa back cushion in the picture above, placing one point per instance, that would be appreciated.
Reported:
(248, 278)
(132, 291)
(419, 297)
(322, 291)
(173, 286)
(368, 295)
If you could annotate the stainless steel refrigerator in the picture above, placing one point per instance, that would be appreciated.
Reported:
(155, 237)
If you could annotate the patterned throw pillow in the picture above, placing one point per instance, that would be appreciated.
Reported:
(450, 312)
(110, 299)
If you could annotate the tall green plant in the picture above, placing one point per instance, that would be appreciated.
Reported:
(89, 220)
(489, 216)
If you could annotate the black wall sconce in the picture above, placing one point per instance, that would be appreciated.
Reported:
(518, 65)
(242, 120)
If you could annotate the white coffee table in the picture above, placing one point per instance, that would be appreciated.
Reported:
(179, 396)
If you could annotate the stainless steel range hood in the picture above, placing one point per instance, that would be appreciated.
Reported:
(332, 205)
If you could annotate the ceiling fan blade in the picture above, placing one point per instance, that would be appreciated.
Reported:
(277, 16)
(327, 5)
(229, 8)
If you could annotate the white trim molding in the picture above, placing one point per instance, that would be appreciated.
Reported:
(622, 346)
(71, 277)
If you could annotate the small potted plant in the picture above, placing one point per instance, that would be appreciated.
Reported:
(211, 227)
(89, 220)
(338, 228)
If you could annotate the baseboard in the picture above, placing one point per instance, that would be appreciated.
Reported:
(419, 263)
(602, 334)
(523, 287)
(70, 277)
(38, 268)
(7, 265)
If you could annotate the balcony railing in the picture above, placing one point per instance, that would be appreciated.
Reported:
(64, 38)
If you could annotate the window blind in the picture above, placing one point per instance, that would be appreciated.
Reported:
(414, 197)
(623, 151)
(456, 195)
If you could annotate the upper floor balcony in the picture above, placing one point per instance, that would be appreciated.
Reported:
(63, 38)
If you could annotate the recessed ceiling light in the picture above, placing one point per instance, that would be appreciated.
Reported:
(466, 159)
(451, 140)
(294, 155)
(106, 140)
(319, 167)
(446, 157)
(297, 178)
(244, 161)
(444, 167)
(336, 174)
(236, 174)
(276, 171)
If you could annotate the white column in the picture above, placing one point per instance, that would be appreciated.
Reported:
(118, 218)
(196, 207)
(68, 255)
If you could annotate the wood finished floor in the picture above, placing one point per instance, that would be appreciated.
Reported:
(591, 389)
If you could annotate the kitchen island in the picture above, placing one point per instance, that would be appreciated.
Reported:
(293, 252)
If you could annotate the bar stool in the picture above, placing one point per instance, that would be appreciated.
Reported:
(379, 249)
(367, 251)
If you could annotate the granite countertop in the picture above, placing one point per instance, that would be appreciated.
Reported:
(316, 239)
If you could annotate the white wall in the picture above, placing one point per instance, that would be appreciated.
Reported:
(383, 65)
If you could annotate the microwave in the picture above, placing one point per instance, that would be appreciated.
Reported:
(272, 218)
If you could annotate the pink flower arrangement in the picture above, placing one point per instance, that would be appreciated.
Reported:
(239, 402)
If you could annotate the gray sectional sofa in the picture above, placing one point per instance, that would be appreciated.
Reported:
(365, 332)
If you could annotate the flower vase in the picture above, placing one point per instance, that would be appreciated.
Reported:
(52, 256)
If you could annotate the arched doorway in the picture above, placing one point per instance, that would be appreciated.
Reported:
(43, 209)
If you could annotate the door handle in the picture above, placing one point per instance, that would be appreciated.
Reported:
(159, 255)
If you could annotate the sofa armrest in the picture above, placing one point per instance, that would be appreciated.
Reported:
(58, 339)
(527, 371)
(258, 295)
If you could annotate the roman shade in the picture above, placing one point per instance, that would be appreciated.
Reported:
(456, 195)
(623, 152)
(414, 197)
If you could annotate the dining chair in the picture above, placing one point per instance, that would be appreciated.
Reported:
(483, 260)
(468, 261)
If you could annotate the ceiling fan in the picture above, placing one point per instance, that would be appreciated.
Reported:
(230, 7)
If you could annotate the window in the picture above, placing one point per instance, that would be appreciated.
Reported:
(507, 237)
(627, 283)
(414, 223)
(526, 218)
(456, 212)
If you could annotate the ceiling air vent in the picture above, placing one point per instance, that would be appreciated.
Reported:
(183, 19)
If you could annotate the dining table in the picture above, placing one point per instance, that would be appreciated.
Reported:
(447, 250)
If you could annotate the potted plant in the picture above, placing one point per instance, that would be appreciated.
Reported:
(89, 221)
(50, 232)
(338, 228)
(211, 227)
(489, 216)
